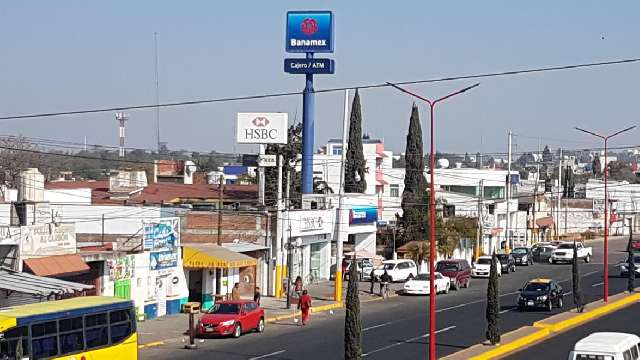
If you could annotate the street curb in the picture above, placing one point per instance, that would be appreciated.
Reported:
(314, 310)
(547, 330)
(150, 344)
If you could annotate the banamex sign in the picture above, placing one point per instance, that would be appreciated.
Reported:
(262, 128)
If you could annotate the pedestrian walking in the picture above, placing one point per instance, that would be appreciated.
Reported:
(372, 279)
(235, 293)
(257, 295)
(297, 286)
(385, 279)
(304, 305)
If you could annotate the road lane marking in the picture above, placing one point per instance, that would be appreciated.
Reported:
(591, 273)
(505, 311)
(597, 284)
(452, 307)
(406, 341)
(268, 355)
(377, 326)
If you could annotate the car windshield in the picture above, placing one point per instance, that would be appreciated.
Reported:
(388, 266)
(422, 277)
(536, 287)
(520, 250)
(546, 249)
(565, 246)
(484, 261)
(447, 266)
(225, 308)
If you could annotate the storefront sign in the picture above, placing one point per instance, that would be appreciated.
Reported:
(262, 128)
(50, 239)
(267, 161)
(310, 222)
(309, 31)
(121, 268)
(309, 66)
(163, 260)
(363, 215)
(162, 234)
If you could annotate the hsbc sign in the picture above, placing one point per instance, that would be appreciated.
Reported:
(262, 128)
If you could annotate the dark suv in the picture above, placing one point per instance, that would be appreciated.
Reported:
(507, 262)
(458, 270)
(523, 256)
(544, 293)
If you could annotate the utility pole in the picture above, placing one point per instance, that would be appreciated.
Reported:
(566, 190)
(155, 43)
(341, 207)
(480, 225)
(535, 194)
(261, 178)
(559, 194)
(219, 237)
(508, 193)
(290, 263)
(279, 232)
(103, 229)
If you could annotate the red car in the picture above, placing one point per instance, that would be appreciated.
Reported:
(231, 318)
(458, 270)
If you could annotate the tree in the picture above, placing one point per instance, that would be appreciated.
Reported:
(631, 264)
(419, 251)
(621, 171)
(596, 166)
(352, 321)
(17, 154)
(492, 313)
(575, 277)
(453, 230)
(354, 179)
(547, 156)
(289, 153)
(415, 199)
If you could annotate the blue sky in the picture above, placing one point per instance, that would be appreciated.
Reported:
(67, 55)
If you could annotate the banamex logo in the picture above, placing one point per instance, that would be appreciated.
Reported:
(309, 26)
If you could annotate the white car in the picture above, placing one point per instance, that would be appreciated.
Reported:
(399, 270)
(482, 267)
(564, 253)
(419, 285)
(606, 345)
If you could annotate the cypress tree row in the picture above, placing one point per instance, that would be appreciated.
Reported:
(631, 264)
(492, 313)
(354, 175)
(352, 322)
(575, 276)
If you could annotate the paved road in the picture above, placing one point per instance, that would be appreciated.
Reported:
(396, 328)
(559, 347)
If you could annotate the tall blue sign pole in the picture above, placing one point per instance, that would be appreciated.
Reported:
(309, 32)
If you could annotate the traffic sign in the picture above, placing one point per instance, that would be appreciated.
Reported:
(309, 66)
(266, 160)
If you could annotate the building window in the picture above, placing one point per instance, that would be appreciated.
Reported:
(337, 150)
(394, 190)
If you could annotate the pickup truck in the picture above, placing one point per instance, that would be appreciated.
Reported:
(564, 253)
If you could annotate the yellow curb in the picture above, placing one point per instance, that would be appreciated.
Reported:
(547, 330)
(151, 344)
(316, 309)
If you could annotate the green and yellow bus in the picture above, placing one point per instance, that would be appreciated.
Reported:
(82, 328)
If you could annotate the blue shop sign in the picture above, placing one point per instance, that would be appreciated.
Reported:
(363, 215)
(309, 31)
(163, 260)
(309, 66)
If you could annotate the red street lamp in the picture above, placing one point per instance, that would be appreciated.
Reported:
(432, 216)
(605, 295)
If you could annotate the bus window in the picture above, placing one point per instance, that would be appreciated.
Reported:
(44, 339)
(120, 322)
(96, 330)
(71, 338)
(9, 344)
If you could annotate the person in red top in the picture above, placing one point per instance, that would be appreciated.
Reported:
(304, 305)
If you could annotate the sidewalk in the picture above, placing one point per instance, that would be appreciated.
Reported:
(154, 332)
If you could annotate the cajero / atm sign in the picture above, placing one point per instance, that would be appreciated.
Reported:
(262, 128)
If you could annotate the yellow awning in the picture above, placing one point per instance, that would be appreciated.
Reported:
(206, 256)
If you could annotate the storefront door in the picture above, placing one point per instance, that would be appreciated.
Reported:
(195, 285)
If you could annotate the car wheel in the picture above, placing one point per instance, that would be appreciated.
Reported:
(587, 259)
(467, 283)
(553, 261)
(446, 289)
(410, 277)
(456, 285)
(237, 331)
(260, 327)
(549, 305)
(390, 278)
(560, 302)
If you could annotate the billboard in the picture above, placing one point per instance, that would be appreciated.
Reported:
(163, 260)
(262, 128)
(309, 32)
(161, 234)
(363, 215)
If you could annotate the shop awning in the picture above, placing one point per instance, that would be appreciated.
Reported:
(37, 285)
(57, 265)
(206, 256)
(545, 222)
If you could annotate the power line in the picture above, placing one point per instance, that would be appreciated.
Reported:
(328, 90)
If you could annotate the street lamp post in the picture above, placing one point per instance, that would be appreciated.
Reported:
(605, 295)
(432, 215)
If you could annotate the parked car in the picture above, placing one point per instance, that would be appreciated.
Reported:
(564, 253)
(363, 267)
(231, 318)
(507, 262)
(635, 244)
(523, 256)
(482, 267)
(540, 293)
(419, 285)
(398, 270)
(458, 270)
(624, 266)
(542, 253)
(607, 345)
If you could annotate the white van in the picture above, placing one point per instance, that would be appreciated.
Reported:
(399, 270)
(607, 346)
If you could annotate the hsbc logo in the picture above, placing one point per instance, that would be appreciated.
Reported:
(260, 121)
